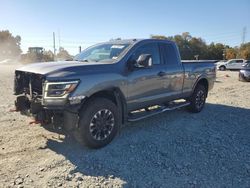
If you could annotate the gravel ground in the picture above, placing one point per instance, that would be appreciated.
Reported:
(174, 149)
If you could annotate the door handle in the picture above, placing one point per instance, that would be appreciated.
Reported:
(161, 73)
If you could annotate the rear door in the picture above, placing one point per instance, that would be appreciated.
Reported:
(174, 73)
(239, 63)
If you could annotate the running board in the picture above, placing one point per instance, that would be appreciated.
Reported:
(136, 116)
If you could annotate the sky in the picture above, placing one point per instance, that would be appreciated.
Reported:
(84, 23)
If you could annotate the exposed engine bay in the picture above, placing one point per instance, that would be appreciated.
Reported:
(31, 100)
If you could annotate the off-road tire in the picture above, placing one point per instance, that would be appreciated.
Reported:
(83, 133)
(198, 99)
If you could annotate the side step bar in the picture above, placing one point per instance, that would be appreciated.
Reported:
(136, 116)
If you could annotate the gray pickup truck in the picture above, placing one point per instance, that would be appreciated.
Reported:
(111, 83)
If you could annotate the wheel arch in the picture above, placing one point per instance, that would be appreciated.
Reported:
(223, 66)
(115, 95)
(202, 81)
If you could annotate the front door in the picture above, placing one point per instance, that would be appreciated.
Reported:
(231, 64)
(145, 84)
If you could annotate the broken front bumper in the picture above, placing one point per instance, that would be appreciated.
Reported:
(34, 98)
(67, 115)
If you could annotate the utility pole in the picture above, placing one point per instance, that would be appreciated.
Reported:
(224, 54)
(59, 39)
(244, 35)
(80, 49)
(54, 45)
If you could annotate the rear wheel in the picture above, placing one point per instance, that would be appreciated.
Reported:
(198, 99)
(222, 68)
(98, 124)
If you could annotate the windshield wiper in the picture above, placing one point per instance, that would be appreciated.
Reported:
(86, 60)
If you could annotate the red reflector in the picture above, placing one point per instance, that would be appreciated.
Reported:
(35, 122)
(13, 110)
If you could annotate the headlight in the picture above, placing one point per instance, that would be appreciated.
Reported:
(247, 74)
(59, 89)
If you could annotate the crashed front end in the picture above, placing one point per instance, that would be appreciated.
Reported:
(48, 102)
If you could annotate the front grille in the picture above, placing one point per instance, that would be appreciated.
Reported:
(23, 81)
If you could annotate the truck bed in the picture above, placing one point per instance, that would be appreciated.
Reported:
(197, 69)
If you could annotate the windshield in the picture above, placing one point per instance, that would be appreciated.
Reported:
(101, 52)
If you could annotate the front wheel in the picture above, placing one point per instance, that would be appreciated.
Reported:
(98, 124)
(198, 99)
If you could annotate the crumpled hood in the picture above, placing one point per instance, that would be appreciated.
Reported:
(52, 67)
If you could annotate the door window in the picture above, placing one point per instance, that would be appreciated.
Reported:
(150, 48)
(169, 54)
(230, 62)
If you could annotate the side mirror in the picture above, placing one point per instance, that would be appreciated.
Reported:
(144, 60)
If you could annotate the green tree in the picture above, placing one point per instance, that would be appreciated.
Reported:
(198, 48)
(183, 45)
(9, 45)
(244, 51)
(182, 42)
(215, 51)
(192, 47)
(231, 53)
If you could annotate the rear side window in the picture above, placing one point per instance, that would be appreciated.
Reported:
(239, 61)
(150, 48)
(169, 55)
